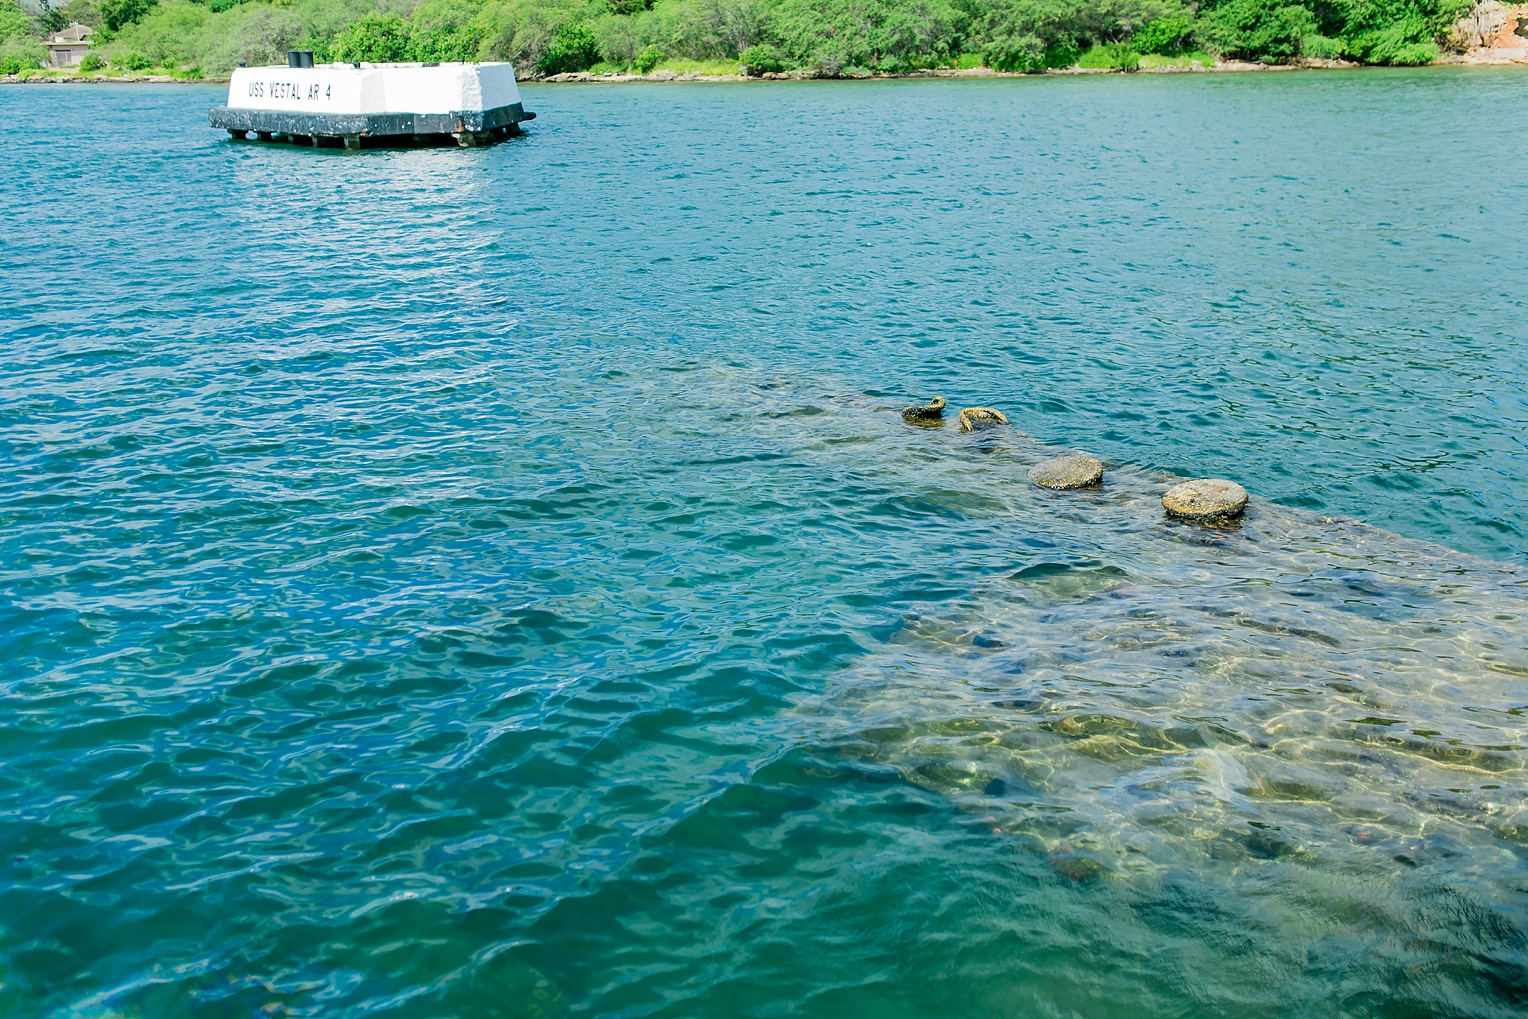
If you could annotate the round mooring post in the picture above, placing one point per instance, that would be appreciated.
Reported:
(1205, 499)
(1063, 473)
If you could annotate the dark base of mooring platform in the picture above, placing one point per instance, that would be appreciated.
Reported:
(372, 130)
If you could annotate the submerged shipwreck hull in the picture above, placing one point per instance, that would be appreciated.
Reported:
(355, 105)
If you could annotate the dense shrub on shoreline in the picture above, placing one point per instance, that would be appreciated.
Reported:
(19, 48)
(828, 37)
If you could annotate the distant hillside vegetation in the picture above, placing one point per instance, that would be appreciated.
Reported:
(826, 37)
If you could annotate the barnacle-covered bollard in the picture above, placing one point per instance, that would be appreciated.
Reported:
(973, 418)
(1065, 472)
(1205, 499)
(930, 413)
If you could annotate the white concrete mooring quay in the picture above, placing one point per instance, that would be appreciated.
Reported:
(362, 105)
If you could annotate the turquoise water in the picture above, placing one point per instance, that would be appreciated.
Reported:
(498, 583)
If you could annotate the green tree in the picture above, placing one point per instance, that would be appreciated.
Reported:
(760, 58)
(445, 30)
(1266, 30)
(50, 19)
(86, 12)
(1405, 42)
(1396, 31)
(1423, 20)
(1031, 34)
(713, 28)
(1162, 35)
(117, 14)
(883, 34)
(1112, 56)
(1024, 52)
(375, 38)
(14, 23)
(1063, 52)
(647, 59)
(1115, 20)
(574, 49)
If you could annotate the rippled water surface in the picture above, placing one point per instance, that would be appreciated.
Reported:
(463, 584)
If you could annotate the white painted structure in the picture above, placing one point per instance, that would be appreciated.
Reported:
(375, 88)
(360, 104)
(69, 47)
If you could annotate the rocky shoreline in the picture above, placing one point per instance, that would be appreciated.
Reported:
(96, 79)
(663, 75)
(1478, 57)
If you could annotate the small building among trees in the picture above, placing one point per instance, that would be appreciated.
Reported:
(69, 47)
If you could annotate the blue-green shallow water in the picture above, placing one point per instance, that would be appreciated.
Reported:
(497, 583)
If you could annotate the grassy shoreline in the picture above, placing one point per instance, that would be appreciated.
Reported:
(665, 75)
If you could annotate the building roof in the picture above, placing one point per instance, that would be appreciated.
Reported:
(76, 32)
